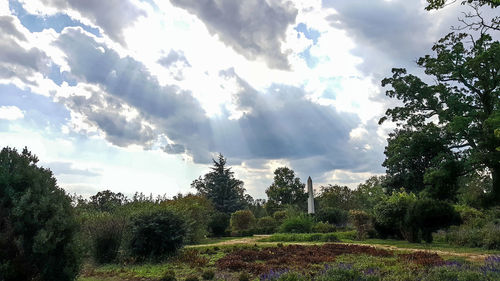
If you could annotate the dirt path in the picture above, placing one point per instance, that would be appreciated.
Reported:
(254, 240)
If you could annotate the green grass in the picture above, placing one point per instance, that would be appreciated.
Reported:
(214, 240)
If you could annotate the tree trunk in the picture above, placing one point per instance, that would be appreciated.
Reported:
(495, 190)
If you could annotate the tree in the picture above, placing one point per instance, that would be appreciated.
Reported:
(370, 193)
(107, 200)
(286, 189)
(37, 223)
(336, 196)
(463, 102)
(220, 186)
(420, 160)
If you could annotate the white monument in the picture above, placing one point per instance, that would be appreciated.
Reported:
(310, 200)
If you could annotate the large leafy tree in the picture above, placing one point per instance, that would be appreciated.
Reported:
(420, 160)
(463, 101)
(286, 189)
(220, 186)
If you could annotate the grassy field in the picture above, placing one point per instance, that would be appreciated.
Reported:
(272, 258)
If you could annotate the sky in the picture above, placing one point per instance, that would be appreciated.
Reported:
(140, 95)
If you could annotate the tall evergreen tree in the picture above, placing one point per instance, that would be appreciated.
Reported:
(220, 186)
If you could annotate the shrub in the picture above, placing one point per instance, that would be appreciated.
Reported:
(37, 223)
(208, 274)
(362, 221)
(242, 221)
(244, 276)
(106, 234)
(156, 235)
(298, 224)
(323, 227)
(425, 216)
(192, 278)
(266, 225)
(280, 216)
(169, 275)
(219, 222)
(333, 216)
(491, 238)
(302, 237)
(390, 214)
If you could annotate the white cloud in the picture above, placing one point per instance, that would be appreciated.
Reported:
(11, 113)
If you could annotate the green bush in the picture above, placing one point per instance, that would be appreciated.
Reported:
(106, 233)
(302, 237)
(219, 223)
(208, 274)
(37, 222)
(362, 221)
(244, 277)
(169, 275)
(425, 216)
(333, 216)
(298, 224)
(280, 216)
(266, 225)
(192, 278)
(390, 214)
(242, 222)
(323, 227)
(156, 235)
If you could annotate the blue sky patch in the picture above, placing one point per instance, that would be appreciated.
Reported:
(36, 23)
(309, 33)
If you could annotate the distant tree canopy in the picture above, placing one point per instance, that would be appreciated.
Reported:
(107, 200)
(220, 186)
(286, 189)
(463, 103)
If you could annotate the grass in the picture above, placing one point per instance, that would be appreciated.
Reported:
(215, 240)
(301, 237)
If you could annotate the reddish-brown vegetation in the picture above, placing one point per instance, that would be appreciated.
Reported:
(293, 256)
(422, 258)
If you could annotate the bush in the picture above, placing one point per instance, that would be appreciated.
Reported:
(323, 227)
(156, 235)
(169, 275)
(192, 278)
(37, 223)
(242, 221)
(425, 216)
(244, 277)
(208, 274)
(298, 224)
(219, 223)
(487, 237)
(106, 234)
(302, 237)
(362, 221)
(333, 216)
(266, 225)
(280, 216)
(390, 214)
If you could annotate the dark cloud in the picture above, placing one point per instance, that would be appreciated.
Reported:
(111, 15)
(15, 60)
(176, 113)
(253, 28)
(66, 168)
(278, 124)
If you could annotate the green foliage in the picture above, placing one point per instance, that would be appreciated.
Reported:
(169, 275)
(156, 235)
(107, 201)
(219, 223)
(37, 223)
(362, 221)
(242, 221)
(220, 186)
(280, 216)
(464, 100)
(323, 227)
(390, 214)
(425, 216)
(208, 274)
(370, 193)
(336, 196)
(194, 209)
(106, 233)
(286, 189)
(298, 224)
(302, 237)
(266, 225)
(487, 236)
(333, 216)
(192, 278)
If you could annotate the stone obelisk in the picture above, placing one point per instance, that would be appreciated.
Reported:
(310, 200)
